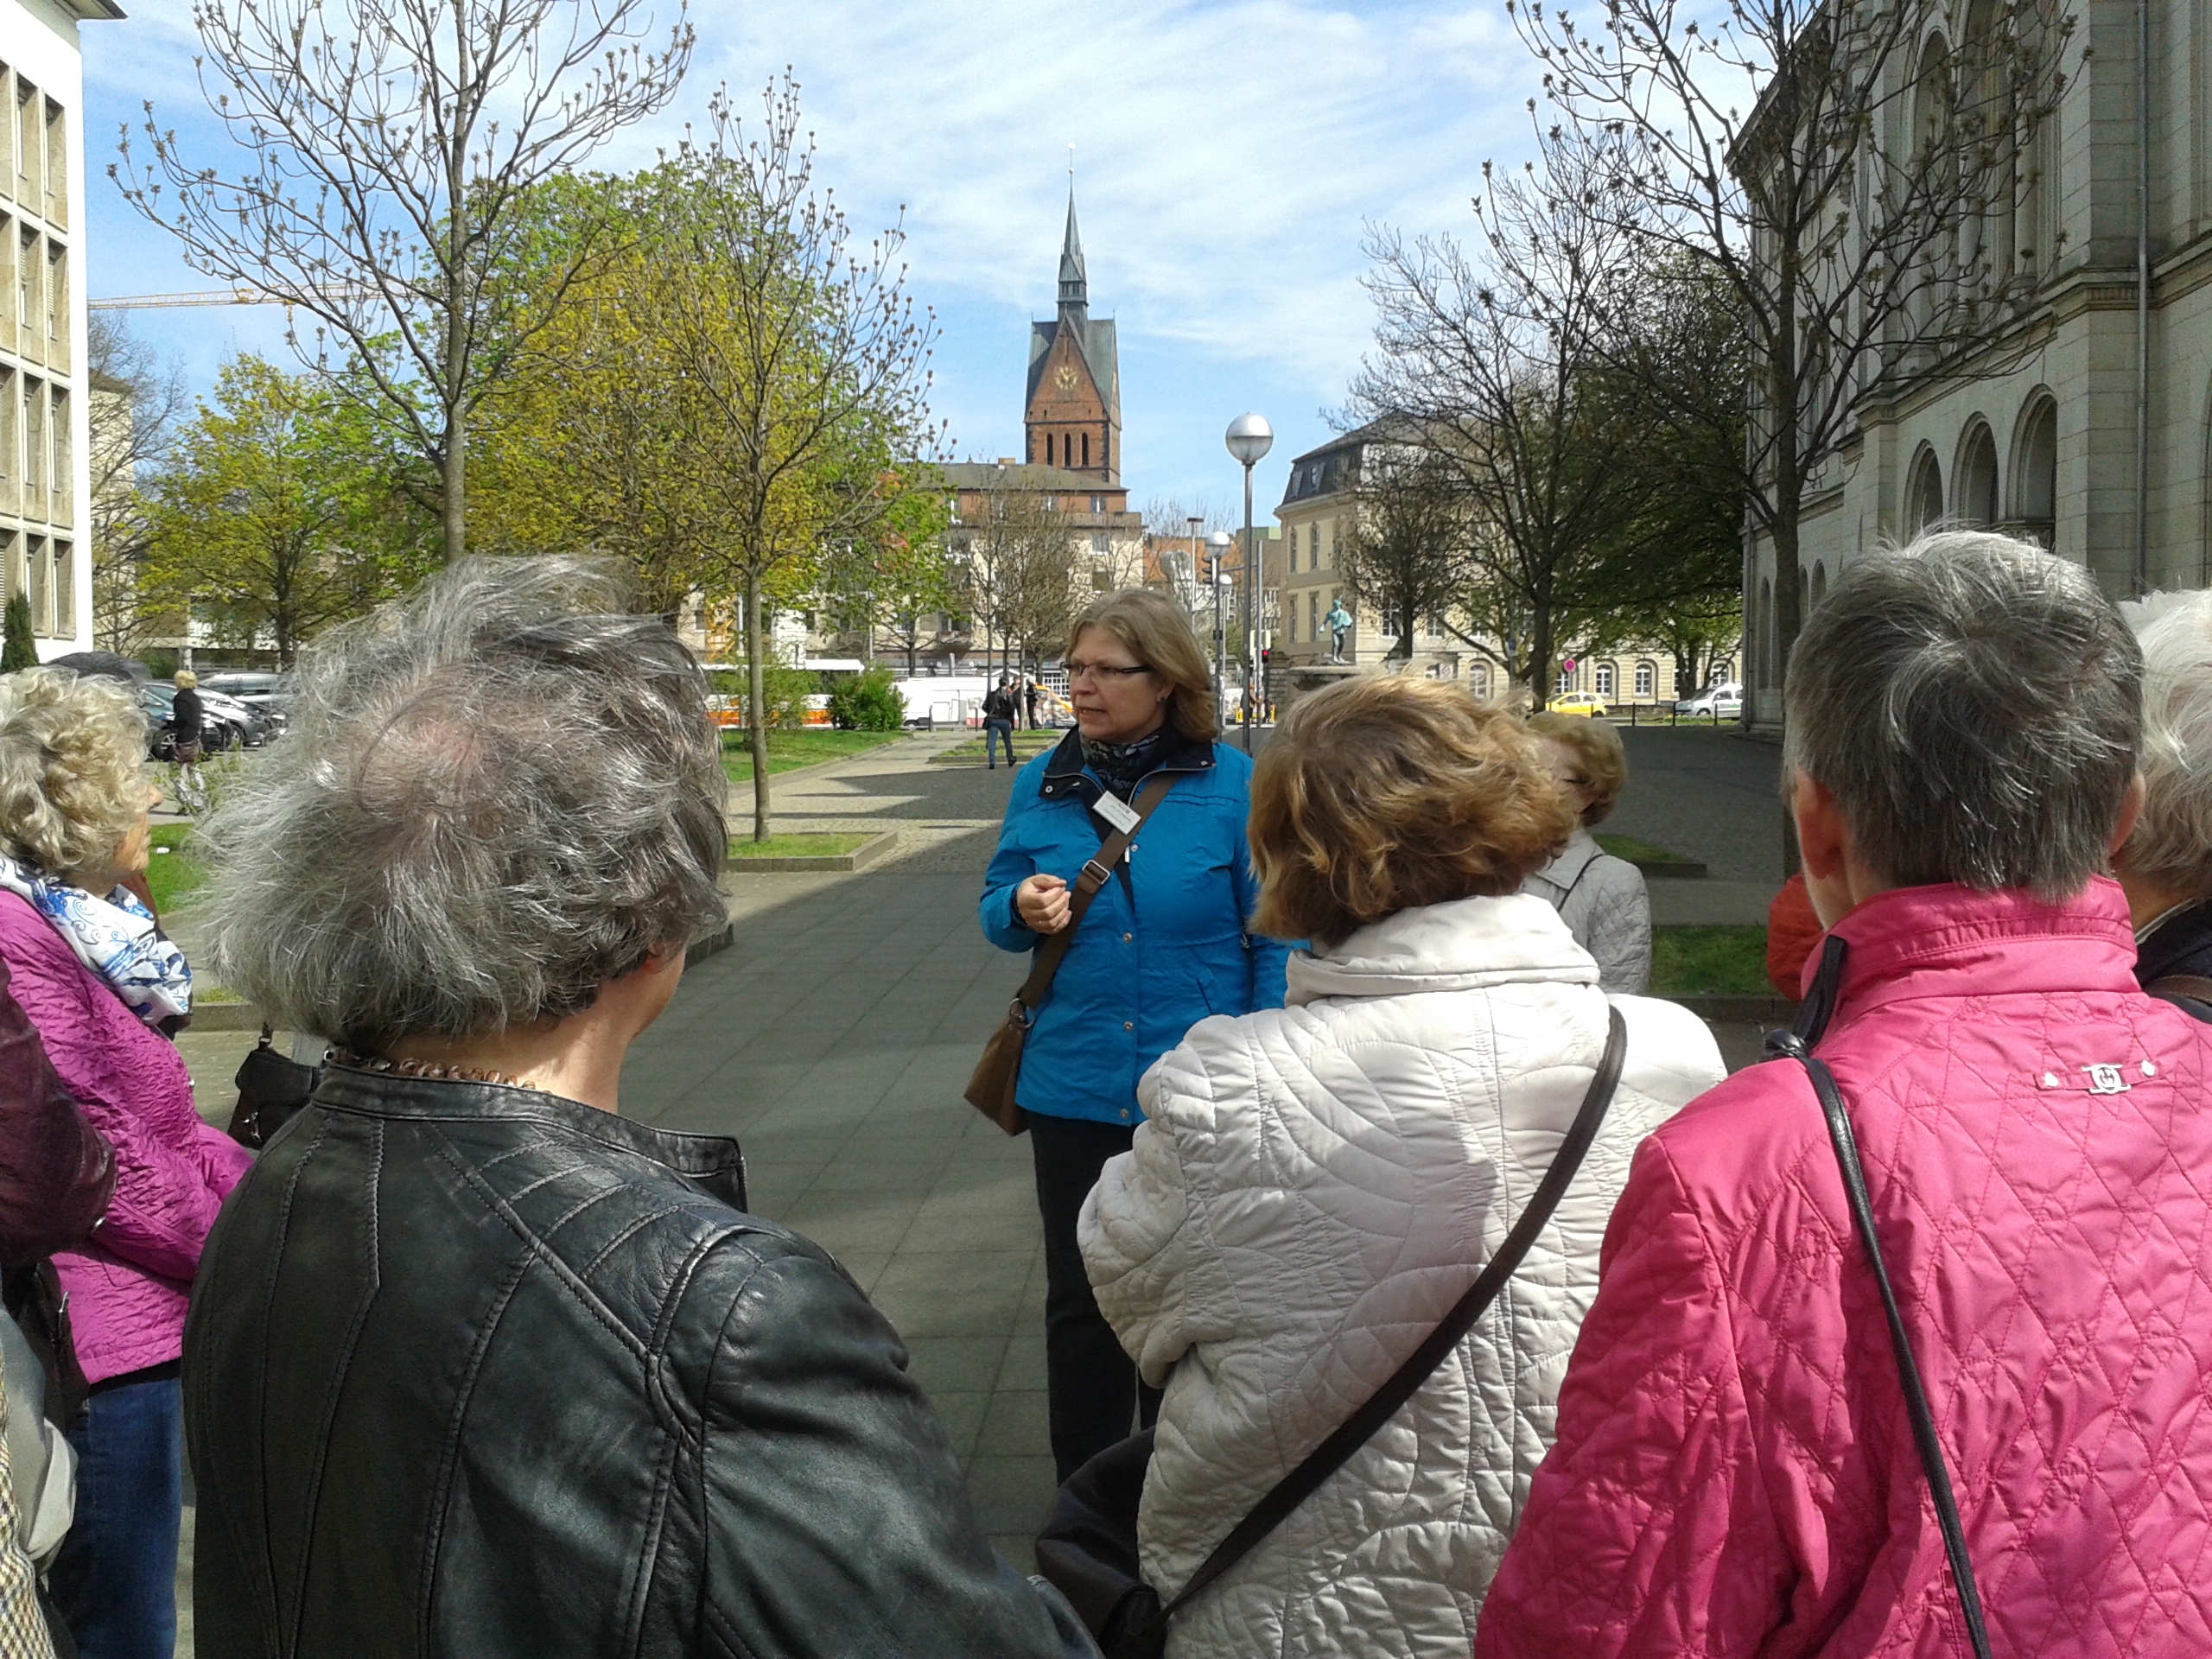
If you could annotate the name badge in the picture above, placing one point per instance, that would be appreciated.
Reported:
(1117, 812)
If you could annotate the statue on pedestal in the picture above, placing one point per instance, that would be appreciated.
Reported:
(1339, 623)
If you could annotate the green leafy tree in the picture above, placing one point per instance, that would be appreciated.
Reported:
(16, 649)
(389, 153)
(282, 509)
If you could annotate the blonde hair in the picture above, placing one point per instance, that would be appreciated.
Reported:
(187, 680)
(1380, 793)
(1158, 634)
(73, 778)
(1597, 749)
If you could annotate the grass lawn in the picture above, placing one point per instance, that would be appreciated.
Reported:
(171, 876)
(811, 844)
(788, 750)
(1629, 848)
(1709, 962)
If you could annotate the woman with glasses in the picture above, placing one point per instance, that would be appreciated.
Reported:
(1164, 944)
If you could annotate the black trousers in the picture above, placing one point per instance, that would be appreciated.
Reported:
(1093, 1396)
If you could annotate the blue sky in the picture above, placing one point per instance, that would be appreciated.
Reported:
(1227, 157)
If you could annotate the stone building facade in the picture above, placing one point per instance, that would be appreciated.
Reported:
(1317, 516)
(2088, 425)
(45, 462)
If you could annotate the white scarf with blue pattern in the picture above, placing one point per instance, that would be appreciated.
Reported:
(116, 937)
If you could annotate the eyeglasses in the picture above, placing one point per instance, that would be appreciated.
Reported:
(1103, 673)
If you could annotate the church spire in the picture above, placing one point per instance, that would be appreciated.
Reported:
(1075, 286)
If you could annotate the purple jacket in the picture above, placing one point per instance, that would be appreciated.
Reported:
(126, 1288)
(56, 1173)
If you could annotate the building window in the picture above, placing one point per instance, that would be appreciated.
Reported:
(1313, 615)
(1479, 679)
(1566, 682)
(1086, 451)
(64, 466)
(42, 589)
(65, 591)
(34, 472)
(1098, 504)
(1313, 546)
(26, 143)
(1605, 686)
(1647, 679)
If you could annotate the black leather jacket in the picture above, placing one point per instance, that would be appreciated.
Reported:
(473, 1371)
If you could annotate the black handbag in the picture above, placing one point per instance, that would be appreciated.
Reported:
(1089, 1546)
(271, 1087)
(1796, 1043)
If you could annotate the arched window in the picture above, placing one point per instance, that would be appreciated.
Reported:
(1974, 496)
(2035, 472)
(1566, 682)
(1086, 449)
(1647, 681)
(1820, 582)
(1606, 679)
(1479, 678)
(1924, 492)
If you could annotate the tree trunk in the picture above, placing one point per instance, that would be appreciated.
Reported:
(756, 703)
(453, 478)
(1540, 651)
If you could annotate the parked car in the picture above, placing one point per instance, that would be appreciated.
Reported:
(252, 726)
(1588, 704)
(267, 694)
(1724, 702)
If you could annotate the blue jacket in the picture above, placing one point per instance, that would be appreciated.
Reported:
(1164, 943)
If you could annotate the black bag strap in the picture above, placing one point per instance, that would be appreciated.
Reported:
(1096, 874)
(1795, 1046)
(1357, 1430)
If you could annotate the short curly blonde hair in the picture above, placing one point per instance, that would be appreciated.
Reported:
(1598, 750)
(72, 778)
(1382, 793)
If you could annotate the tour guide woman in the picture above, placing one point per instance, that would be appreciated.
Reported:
(1164, 944)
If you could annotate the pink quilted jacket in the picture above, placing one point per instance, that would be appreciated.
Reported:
(127, 1288)
(1734, 1471)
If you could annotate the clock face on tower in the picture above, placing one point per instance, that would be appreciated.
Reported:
(1066, 379)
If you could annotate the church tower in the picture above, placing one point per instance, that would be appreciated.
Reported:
(1074, 415)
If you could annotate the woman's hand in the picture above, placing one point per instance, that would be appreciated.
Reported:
(1042, 903)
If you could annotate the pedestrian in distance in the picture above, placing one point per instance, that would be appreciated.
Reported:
(1001, 710)
(1029, 693)
(1743, 1464)
(1602, 898)
(478, 1366)
(103, 988)
(2165, 869)
(1315, 1185)
(1166, 942)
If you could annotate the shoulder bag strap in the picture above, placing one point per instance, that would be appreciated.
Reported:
(1793, 1044)
(1096, 874)
(1332, 1453)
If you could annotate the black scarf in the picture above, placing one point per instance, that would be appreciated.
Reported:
(1122, 766)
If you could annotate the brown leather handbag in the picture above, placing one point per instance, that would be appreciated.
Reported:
(990, 1089)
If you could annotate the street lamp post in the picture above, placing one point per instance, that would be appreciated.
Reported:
(1216, 552)
(1250, 437)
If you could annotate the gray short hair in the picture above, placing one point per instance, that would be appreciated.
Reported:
(1973, 703)
(73, 770)
(2171, 844)
(495, 796)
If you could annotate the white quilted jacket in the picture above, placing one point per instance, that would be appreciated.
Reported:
(1314, 1187)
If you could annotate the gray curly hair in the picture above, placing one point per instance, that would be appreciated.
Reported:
(496, 795)
(1975, 704)
(2171, 844)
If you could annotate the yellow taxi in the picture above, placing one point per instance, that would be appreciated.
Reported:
(1585, 703)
